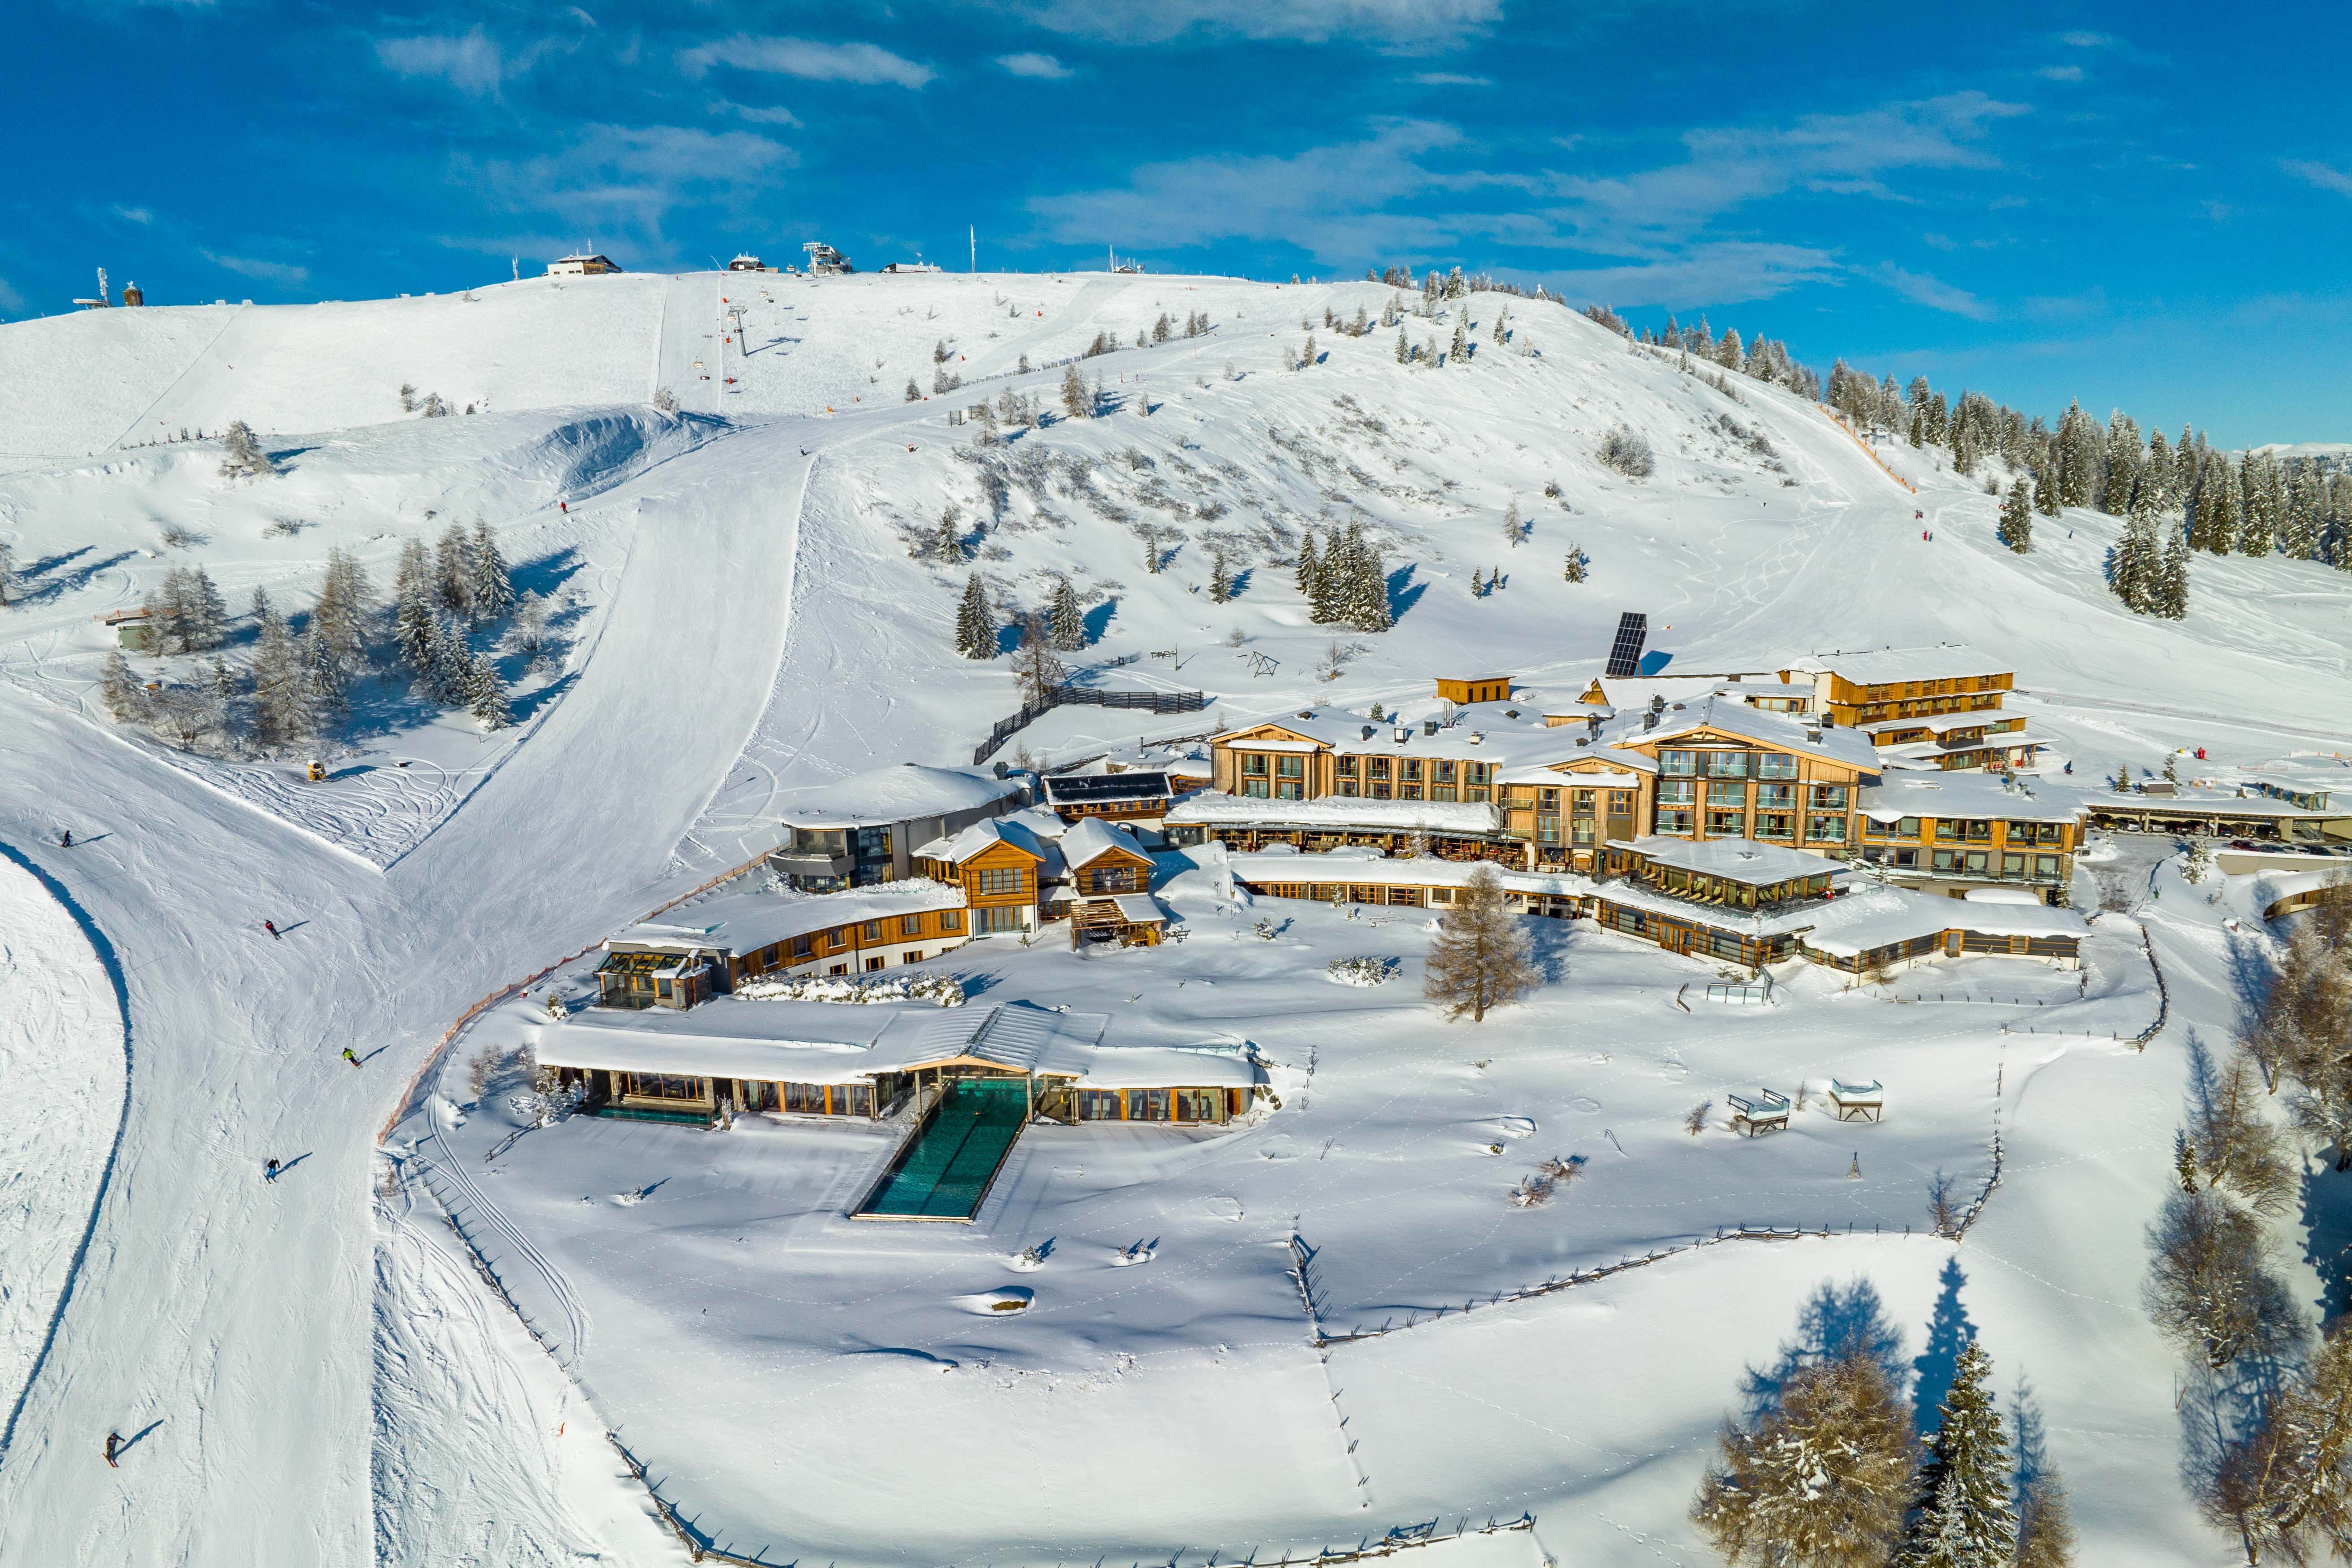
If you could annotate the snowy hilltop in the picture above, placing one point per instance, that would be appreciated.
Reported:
(474, 641)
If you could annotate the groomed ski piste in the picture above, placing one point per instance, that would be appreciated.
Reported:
(404, 1350)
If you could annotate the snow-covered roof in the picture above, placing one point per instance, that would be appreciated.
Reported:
(1963, 794)
(1140, 909)
(904, 793)
(1092, 838)
(1887, 667)
(1165, 1067)
(1880, 917)
(749, 922)
(1741, 860)
(982, 837)
(1352, 866)
(1019, 1035)
(1041, 820)
(1783, 731)
(1555, 778)
(1501, 738)
(1337, 811)
(1942, 723)
(702, 1056)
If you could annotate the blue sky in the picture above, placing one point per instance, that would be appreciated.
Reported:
(2147, 207)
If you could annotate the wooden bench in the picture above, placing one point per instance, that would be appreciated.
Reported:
(1766, 1113)
(1858, 1101)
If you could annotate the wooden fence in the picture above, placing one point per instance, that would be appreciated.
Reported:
(1086, 697)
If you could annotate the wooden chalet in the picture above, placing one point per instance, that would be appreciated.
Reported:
(1002, 869)
(1869, 688)
(1108, 887)
(1722, 769)
(706, 949)
(1133, 795)
(1944, 833)
(581, 266)
(1474, 689)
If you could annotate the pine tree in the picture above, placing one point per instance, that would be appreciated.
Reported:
(2134, 568)
(1574, 570)
(1077, 400)
(453, 663)
(2045, 1526)
(451, 586)
(1480, 957)
(947, 544)
(1034, 665)
(206, 615)
(1307, 566)
(975, 627)
(2170, 598)
(1362, 599)
(486, 694)
(1919, 424)
(914, 392)
(1067, 623)
(242, 454)
(1513, 524)
(1221, 581)
(282, 687)
(1502, 326)
(124, 697)
(490, 586)
(323, 666)
(1818, 1480)
(1478, 583)
(1965, 1518)
(2260, 507)
(2017, 516)
(2078, 457)
(1404, 350)
(1461, 349)
(339, 614)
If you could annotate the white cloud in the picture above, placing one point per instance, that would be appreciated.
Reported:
(10, 299)
(774, 115)
(1940, 241)
(2061, 73)
(1726, 273)
(1452, 79)
(471, 64)
(866, 64)
(135, 215)
(1921, 288)
(623, 180)
(267, 272)
(2081, 40)
(1045, 67)
(1394, 24)
(2319, 174)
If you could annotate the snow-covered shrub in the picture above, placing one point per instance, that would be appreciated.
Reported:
(1360, 971)
(943, 990)
(1627, 450)
(482, 1069)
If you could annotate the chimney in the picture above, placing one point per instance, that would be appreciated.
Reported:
(1429, 726)
(1657, 704)
(1829, 719)
(1477, 736)
(1813, 734)
(1593, 725)
(1649, 721)
(1367, 732)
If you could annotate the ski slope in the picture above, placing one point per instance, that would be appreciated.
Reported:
(313, 1370)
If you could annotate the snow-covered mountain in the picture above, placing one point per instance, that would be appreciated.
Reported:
(748, 596)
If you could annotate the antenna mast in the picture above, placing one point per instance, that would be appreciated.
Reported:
(971, 232)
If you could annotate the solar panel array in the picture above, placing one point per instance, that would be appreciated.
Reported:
(1632, 631)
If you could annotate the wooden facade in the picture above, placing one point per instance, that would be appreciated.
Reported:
(1973, 850)
(1474, 689)
(1856, 702)
(999, 882)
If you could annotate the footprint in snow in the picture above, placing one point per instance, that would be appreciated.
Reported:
(1585, 1103)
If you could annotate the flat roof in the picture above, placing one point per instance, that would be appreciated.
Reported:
(1892, 666)
(1335, 811)
(1130, 785)
(905, 792)
(1741, 860)
(749, 922)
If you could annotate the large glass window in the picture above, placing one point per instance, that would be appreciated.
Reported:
(1444, 771)
(1546, 830)
(1413, 770)
(664, 1085)
(1199, 1105)
(1253, 762)
(1823, 829)
(1828, 798)
(827, 841)
(1674, 822)
(1379, 767)
(1727, 796)
(1727, 765)
(1293, 767)
(1775, 825)
(1147, 1104)
(1673, 763)
(1727, 825)
(1099, 1105)
(1776, 797)
(1347, 767)
(1004, 879)
(1776, 766)
(1255, 788)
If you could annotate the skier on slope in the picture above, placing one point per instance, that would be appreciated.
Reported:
(271, 927)
(113, 1442)
(270, 1171)
(65, 838)
(348, 1058)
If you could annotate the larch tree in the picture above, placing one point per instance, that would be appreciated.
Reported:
(2209, 1288)
(1034, 665)
(452, 574)
(124, 697)
(975, 627)
(2288, 1486)
(1077, 398)
(1965, 1518)
(1821, 1479)
(282, 710)
(2045, 1525)
(1480, 957)
(241, 453)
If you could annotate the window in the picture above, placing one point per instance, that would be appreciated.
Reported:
(910, 925)
(1977, 859)
(801, 946)
(1099, 1105)
(1775, 825)
(1253, 762)
(2046, 866)
(1727, 796)
(1947, 832)
(1776, 766)
(1478, 773)
(1440, 791)
(1776, 797)
(1727, 825)
(1380, 769)
(1255, 788)
(1549, 799)
(838, 969)
(951, 920)
(1148, 1104)
(1199, 1105)
(1584, 832)
(1444, 772)
(1677, 763)
(1380, 792)
(1828, 798)
(1822, 829)
(838, 937)
(912, 955)
(1348, 768)
(828, 842)
(873, 930)
(1676, 822)
(995, 917)
(1347, 786)
(1003, 880)
(1948, 860)
(1287, 789)
(1291, 768)
(1677, 792)
(1727, 765)
(1547, 830)
(1409, 792)
(877, 962)
(2013, 865)
(664, 1085)
(1412, 771)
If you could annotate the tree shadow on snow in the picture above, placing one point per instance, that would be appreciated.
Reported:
(71, 582)
(2028, 1433)
(1403, 592)
(1098, 620)
(1834, 1320)
(1949, 1332)
(2327, 1236)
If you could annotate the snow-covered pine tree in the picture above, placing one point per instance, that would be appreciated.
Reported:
(1078, 399)
(2158, 472)
(1918, 425)
(947, 544)
(225, 684)
(1821, 1479)
(203, 615)
(2123, 468)
(2258, 511)
(2299, 527)
(2016, 529)
(1478, 583)
(241, 453)
(1574, 568)
(2217, 504)
(1364, 596)
(1404, 350)
(339, 613)
(1460, 351)
(1502, 326)
(1307, 568)
(1067, 622)
(282, 687)
(914, 392)
(451, 589)
(2172, 596)
(1513, 524)
(2133, 565)
(486, 694)
(2078, 457)
(1480, 957)
(939, 352)
(453, 663)
(1307, 360)
(490, 594)
(1965, 1519)
(1221, 579)
(125, 698)
(323, 666)
(2045, 1525)
(975, 627)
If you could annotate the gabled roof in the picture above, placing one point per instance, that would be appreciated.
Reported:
(1093, 838)
(1018, 1035)
(1729, 716)
(1889, 666)
(982, 837)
